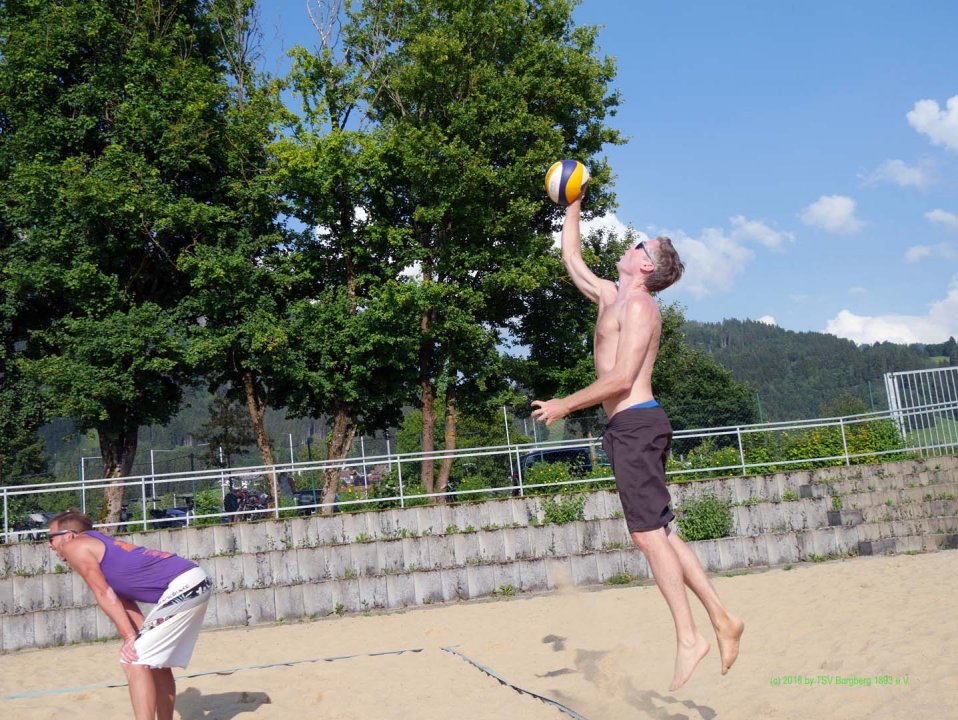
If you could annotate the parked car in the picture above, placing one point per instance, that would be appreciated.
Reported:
(578, 457)
(34, 525)
(167, 517)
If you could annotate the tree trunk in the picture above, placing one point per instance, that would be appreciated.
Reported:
(452, 416)
(257, 407)
(117, 449)
(428, 397)
(340, 441)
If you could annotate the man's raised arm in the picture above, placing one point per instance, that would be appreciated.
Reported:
(588, 282)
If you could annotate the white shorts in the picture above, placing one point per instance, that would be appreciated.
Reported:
(169, 632)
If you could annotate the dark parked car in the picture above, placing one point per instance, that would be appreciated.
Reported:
(578, 457)
(34, 525)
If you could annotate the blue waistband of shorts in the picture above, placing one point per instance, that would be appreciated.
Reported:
(646, 404)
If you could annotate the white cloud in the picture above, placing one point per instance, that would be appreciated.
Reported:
(938, 325)
(857, 290)
(712, 261)
(942, 250)
(941, 126)
(917, 252)
(948, 219)
(609, 224)
(745, 229)
(767, 319)
(900, 173)
(834, 213)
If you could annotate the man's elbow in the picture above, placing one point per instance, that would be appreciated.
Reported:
(621, 383)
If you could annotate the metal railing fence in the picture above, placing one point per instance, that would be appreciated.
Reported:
(478, 473)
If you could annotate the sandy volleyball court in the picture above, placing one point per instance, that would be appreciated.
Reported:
(860, 638)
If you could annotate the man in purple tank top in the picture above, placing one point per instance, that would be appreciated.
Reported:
(120, 575)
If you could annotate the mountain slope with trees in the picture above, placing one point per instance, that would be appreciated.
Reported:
(799, 374)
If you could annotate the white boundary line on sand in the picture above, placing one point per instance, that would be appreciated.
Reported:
(229, 671)
(225, 671)
(493, 674)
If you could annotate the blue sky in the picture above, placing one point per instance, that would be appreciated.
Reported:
(802, 156)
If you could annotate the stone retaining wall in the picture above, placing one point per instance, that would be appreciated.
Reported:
(313, 566)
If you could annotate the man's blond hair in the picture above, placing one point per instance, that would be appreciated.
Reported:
(668, 266)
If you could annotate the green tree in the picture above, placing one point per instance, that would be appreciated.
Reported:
(238, 271)
(476, 98)
(346, 310)
(23, 457)
(111, 127)
(228, 432)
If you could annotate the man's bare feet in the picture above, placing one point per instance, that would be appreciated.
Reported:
(687, 657)
(729, 636)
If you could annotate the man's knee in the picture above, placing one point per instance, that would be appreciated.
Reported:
(648, 540)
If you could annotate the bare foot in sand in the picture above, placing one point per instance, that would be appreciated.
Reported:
(687, 657)
(729, 636)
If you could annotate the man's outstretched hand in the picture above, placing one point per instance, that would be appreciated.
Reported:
(548, 411)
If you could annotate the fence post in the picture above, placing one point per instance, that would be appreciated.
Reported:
(522, 491)
(143, 499)
(402, 500)
(741, 451)
(505, 420)
(841, 424)
(6, 521)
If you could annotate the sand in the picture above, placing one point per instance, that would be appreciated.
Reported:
(858, 638)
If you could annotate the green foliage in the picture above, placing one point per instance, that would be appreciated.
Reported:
(693, 388)
(206, 502)
(228, 431)
(475, 484)
(389, 487)
(705, 455)
(797, 374)
(762, 449)
(546, 474)
(563, 508)
(704, 518)
(111, 151)
(622, 578)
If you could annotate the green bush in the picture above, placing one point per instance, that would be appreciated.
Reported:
(205, 502)
(705, 518)
(564, 508)
(474, 483)
(546, 473)
(389, 487)
(705, 455)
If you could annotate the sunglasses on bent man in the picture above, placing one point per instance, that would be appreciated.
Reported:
(51, 535)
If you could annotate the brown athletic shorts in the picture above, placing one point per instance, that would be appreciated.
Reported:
(637, 441)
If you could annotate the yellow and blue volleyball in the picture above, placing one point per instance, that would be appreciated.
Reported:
(566, 180)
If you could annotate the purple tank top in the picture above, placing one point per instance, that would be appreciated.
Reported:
(138, 573)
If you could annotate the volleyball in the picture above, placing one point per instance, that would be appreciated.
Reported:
(566, 181)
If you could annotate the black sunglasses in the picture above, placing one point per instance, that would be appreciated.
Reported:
(51, 535)
(641, 246)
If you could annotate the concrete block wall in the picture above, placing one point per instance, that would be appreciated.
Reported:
(313, 566)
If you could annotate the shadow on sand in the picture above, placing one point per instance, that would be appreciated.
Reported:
(191, 704)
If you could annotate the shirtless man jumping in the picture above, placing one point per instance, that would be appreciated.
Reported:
(638, 436)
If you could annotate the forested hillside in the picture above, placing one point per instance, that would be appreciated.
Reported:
(800, 374)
